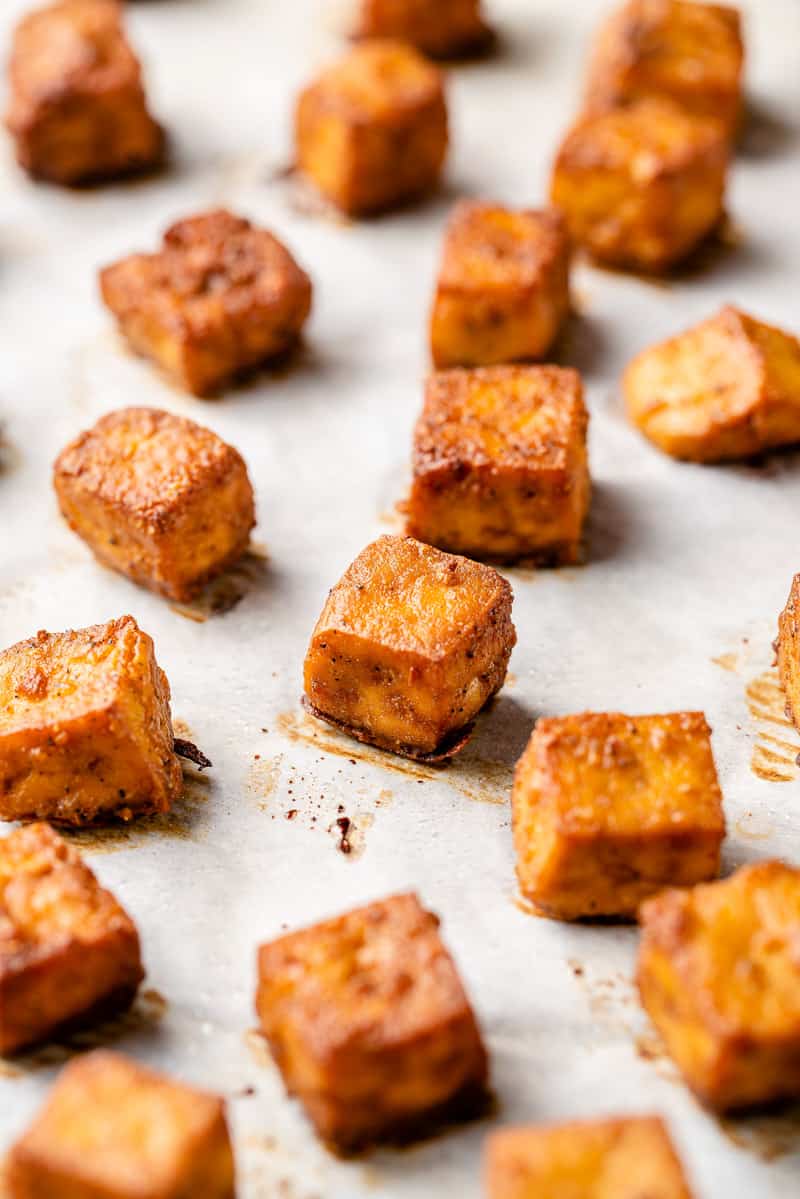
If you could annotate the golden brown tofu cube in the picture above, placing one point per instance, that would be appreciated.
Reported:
(410, 645)
(641, 186)
(503, 288)
(370, 1025)
(438, 28)
(608, 809)
(77, 108)
(500, 464)
(727, 388)
(719, 975)
(371, 131)
(85, 728)
(787, 649)
(111, 1129)
(221, 297)
(158, 498)
(688, 52)
(68, 952)
(622, 1158)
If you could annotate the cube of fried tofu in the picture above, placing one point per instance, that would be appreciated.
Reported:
(438, 28)
(112, 1129)
(158, 498)
(727, 388)
(221, 297)
(641, 186)
(410, 645)
(77, 108)
(500, 464)
(68, 952)
(85, 728)
(787, 649)
(369, 1023)
(689, 52)
(719, 975)
(503, 288)
(371, 131)
(608, 809)
(618, 1158)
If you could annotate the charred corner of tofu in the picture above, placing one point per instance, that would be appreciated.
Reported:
(85, 727)
(370, 1025)
(157, 498)
(608, 809)
(371, 130)
(641, 186)
(787, 649)
(438, 28)
(728, 388)
(77, 109)
(500, 465)
(219, 299)
(719, 975)
(503, 289)
(410, 645)
(111, 1128)
(69, 954)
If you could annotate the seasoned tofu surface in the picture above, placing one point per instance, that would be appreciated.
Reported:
(369, 1022)
(787, 648)
(439, 28)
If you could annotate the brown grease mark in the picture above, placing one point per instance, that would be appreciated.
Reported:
(752, 832)
(385, 797)
(263, 780)
(256, 1043)
(224, 593)
(767, 1135)
(9, 1070)
(177, 824)
(729, 661)
(773, 758)
(146, 1011)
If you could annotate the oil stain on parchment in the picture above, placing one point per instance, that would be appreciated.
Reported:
(768, 1135)
(226, 592)
(774, 756)
(179, 823)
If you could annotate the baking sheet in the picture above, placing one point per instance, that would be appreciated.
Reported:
(688, 568)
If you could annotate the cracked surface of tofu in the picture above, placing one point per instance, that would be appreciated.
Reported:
(439, 28)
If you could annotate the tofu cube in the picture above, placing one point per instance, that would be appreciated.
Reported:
(719, 975)
(410, 645)
(787, 649)
(85, 728)
(68, 952)
(220, 298)
(503, 288)
(608, 809)
(158, 498)
(369, 1023)
(622, 1158)
(438, 28)
(728, 388)
(641, 186)
(77, 108)
(500, 464)
(371, 131)
(111, 1129)
(688, 52)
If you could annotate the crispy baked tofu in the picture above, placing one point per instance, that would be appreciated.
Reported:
(369, 1023)
(85, 727)
(77, 109)
(608, 809)
(68, 952)
(220, 298)
(158, 498)
(691, 53)
(620, 1158)
(410, 645)
(371, 131)
(111, 1129)
(728, 388)
(787, 649)
(719, 975)
(438, 28)
(500, 464)
(503, 288)
(641, 186)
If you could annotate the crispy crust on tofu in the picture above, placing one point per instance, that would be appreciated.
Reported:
(728, 388)
(158, 498)
(438, 28)
(787, 649)
(77, 108)
(369, 1023)
(719, 975)
(85, 728)
(500, 464)
(68, 951)
(608, 809)
(410, 645)
(220, 298)
(371, 130)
